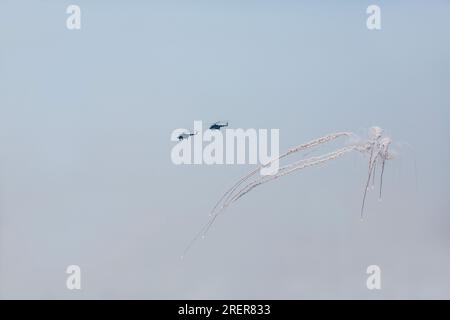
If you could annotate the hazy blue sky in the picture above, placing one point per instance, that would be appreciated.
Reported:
(85, 170)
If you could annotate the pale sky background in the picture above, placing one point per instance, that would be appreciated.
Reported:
(85, 170)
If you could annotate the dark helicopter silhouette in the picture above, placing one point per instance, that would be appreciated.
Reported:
(186, 135)
(217, 125)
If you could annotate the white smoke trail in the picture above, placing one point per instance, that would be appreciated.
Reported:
(376, 146)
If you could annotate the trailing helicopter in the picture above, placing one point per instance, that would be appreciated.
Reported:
(186, 135)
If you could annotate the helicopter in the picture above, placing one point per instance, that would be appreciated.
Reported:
(217, 125)
(186, 135)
